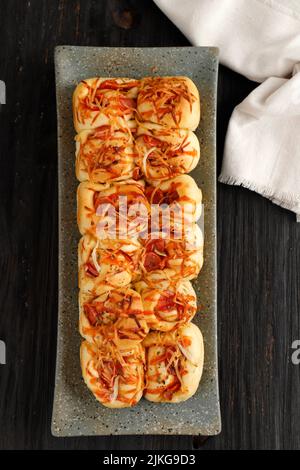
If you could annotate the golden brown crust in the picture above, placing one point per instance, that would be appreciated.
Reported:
(174, 364)
(183, 256)
(179, 198)
(167, 303)
(115, 262)
(85, 206)
(115, 318)
(104, 155)
(95, 105)
(169, 101)
(115, 377)
(165, 153)
(115, 313)
(186, 255)
(98, 209)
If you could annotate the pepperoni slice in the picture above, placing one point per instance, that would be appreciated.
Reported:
(152, 141)
(99, 199)
(157, 196)
(171, 197)
(152, 262)
(168, 394)
(107, 373)
(166, 301)
(158, 244)
(102, 132)
(126, 103)
(114, 85)
(148, 192)
(91, 313)
(137, 174)
(109, 85)
(91, 270)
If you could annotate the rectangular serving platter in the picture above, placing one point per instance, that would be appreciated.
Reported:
(75, 410)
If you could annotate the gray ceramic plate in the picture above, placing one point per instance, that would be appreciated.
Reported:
(75, 411)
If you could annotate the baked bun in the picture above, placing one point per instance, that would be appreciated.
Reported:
(102, 101)
(184, 256)
(116, 264)
(174, 364)
(169, 101)
(179, 199)
(114, 376)
(163, 153)
(116, 314)
(104, 154)
(115, 210)
(167, 303)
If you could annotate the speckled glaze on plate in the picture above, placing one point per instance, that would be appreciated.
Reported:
(75, 410)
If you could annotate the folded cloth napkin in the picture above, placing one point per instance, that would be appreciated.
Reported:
(261, 40)
(262, 147)
(257, 38)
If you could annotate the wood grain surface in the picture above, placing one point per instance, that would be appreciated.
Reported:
(258, 245)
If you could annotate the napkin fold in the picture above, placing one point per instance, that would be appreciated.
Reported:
(261, 40)
(262, 147)
(257, 38)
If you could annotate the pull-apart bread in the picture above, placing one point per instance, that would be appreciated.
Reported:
(169, 101)
(137, 213)
(174, 364)
(115, 376)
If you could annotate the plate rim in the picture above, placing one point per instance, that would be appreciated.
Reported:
(58, 50)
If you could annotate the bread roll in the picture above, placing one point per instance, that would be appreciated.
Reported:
(116, 314)
(114, 376)
(163, 153)
(178, 200)
(174, 364)
(112, 211)
(116, 264)
(104, 154)
(104, 101)
(167, 303)
(169, 101)
(184, 255)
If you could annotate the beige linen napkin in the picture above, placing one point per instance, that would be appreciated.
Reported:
(261, 40)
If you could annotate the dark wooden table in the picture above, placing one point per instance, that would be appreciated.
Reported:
(258, 245)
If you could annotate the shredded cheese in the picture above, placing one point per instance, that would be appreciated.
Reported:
(146, 155)
(115, 392)
(94, 257)
(186, 353)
